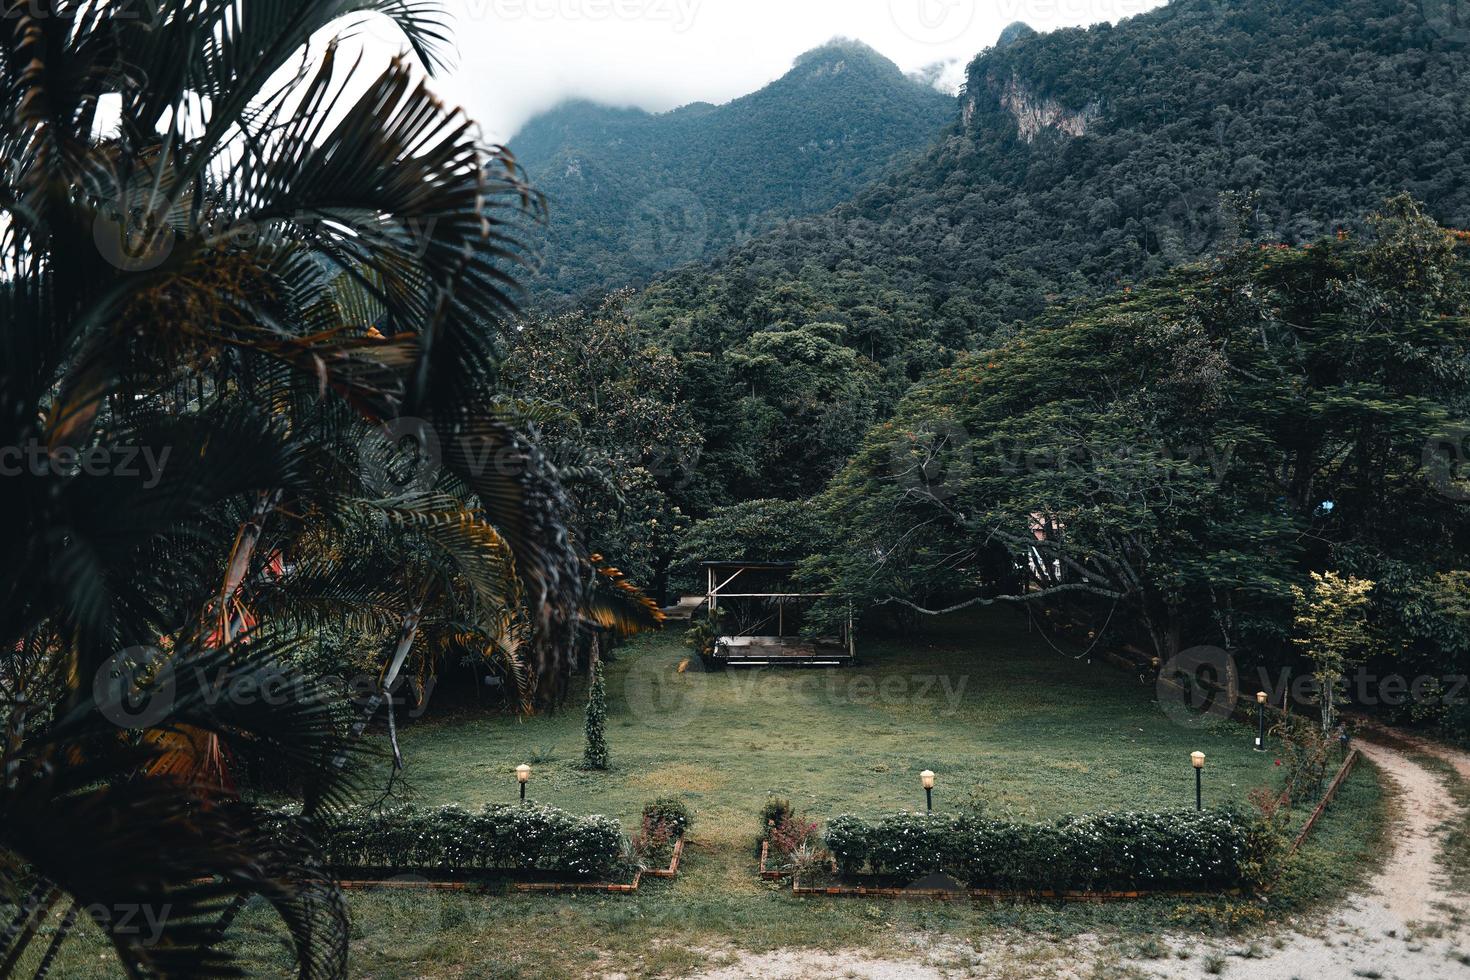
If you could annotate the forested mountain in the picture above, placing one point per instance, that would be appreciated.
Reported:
(632, 193)
(1079, 161)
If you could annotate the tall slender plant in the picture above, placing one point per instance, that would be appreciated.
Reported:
(595, 755)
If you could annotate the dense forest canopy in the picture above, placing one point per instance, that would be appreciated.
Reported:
(632, 194)
(1162, 467)
(1080, 161)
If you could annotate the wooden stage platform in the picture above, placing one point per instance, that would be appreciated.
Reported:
(768, 651)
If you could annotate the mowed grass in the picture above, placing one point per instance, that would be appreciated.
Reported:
(988, 706)
(994, 711)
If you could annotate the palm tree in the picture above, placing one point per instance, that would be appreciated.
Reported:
(225, 256)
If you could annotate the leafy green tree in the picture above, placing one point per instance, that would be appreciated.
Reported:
(756, 530)
(1332, 629)
(615, 419)
(1160, 469)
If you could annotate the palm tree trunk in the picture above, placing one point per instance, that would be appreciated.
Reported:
(241, 555)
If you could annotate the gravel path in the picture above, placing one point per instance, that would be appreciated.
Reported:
(1408, 925)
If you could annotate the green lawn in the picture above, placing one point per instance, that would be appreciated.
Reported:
(994, 711)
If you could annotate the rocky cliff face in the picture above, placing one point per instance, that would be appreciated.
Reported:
(1034, 113)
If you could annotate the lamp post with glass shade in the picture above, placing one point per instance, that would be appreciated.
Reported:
(1198, 758)
(1260, 721)
(523, 776)
(927, 777)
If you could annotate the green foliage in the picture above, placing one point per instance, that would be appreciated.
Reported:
(522, 837)
(1332, 629)
(1308, 752)
(774, 813)
(1145, 851)
(671, 813)
(701, 636)
(618, 425)
(595, 754)
(756, 530)
(1208, 124)
(1170, 463)
(633, 194)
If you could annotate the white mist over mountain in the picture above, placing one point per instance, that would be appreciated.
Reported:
(519, 57)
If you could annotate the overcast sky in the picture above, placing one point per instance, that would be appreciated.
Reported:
(519, 57)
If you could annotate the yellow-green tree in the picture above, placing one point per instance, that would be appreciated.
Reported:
(1332, 629)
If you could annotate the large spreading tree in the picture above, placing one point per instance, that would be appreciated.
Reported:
(1167, 464)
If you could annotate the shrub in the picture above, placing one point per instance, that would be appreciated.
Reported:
(595, 756)
(1146, 851)
(653, 844)
(501, 837)
(774, 814)
(671, 813)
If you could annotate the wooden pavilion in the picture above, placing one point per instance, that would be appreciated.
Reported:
(761, 618)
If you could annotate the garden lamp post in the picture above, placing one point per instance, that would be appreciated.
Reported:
(1198, 758)
(927, 777)
(523, 776)
(1261, 721)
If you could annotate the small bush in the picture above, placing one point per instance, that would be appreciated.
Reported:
(671, 813)
(653, 845)
(502, 837)
(774, 814)
(1183, 850)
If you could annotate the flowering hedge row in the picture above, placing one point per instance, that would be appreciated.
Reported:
(505, 837)
(1174, 850)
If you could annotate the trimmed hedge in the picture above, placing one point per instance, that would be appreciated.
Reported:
(503, 837)
(1172, 850)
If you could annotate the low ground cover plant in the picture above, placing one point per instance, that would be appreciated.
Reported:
(527, 837)
(1178, 850)
(664, 822)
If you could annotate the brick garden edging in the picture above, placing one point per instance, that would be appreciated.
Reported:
(992, 894)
